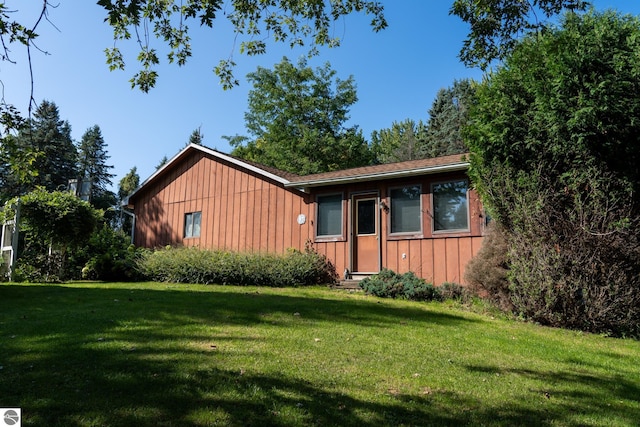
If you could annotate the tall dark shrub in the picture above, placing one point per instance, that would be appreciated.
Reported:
(555, 141)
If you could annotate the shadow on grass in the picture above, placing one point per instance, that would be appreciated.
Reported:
(60, 364)
(567, 391)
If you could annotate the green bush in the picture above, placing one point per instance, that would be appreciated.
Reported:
(110, 257)
(389, 284)
(193, 265)
(453, 291)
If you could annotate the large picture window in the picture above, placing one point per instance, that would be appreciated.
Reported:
(192, 224)
(406, 209)
(450, 206)
(329, 218)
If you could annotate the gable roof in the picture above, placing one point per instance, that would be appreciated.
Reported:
(267, 172)
(454, 162)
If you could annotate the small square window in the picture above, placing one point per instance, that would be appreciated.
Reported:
(450, 206)
(406, 209)
(192, 224)
(329, 218)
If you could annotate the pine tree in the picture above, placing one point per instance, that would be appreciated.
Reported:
(447, 115)
(50, 138)
(403, 141)
(92, 165)
(196, 137)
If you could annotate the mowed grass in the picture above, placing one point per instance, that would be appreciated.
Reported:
(150, 354)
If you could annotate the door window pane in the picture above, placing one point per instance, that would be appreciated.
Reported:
(329, 221)
(406, 209)
(366, 217)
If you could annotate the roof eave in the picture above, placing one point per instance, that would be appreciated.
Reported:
(428, 170)
(211, 152)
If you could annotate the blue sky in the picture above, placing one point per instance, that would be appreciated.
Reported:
(397, 71)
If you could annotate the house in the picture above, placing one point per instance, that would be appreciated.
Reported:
(418, 215)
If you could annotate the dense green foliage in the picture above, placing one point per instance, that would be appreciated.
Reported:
(51, 224)
(295, 23)
(496, 25)
(58, 218)
(389, 284)
(297, 118)
(108, 255)
(193, 265)
(41, 155)
(402, 141)
(555, 139)
(447, 116)
(440, 136)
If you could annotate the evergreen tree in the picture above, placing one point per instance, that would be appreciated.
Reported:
(403, 141)
(92, 166)
(17, 170)
(554, 137)
(162, 162)
(50, 137)
(196, 137)
(447, 115)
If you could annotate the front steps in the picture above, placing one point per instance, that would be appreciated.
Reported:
(352, 283)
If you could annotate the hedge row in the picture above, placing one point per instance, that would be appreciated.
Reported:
(192, 265)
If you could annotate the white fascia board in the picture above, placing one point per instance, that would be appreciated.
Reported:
(380, 176)
(215, 154)
(242, 164)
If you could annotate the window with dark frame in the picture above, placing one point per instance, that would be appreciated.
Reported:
(406, 209)
(450, 206)
(329, 215)
(192, 224)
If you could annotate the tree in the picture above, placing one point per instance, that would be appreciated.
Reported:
(440, 136)
(555, 142)
(403, 141)
(447, 116)
(11, 32)
(92, 166)
(52, 223)
(496, 25)
(294, 22)
(17, 169)
(162, 162)
(127, 185)
(196, 137)
(49, 137)
(297, 120)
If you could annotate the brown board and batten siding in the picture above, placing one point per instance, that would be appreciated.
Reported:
(241, 210)
(438, 257)
(253, 208)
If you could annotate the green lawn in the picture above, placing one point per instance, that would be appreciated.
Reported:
(154, 354)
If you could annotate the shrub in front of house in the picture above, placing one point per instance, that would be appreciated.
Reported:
(389, 284)
(454, 291)
(193, 265)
